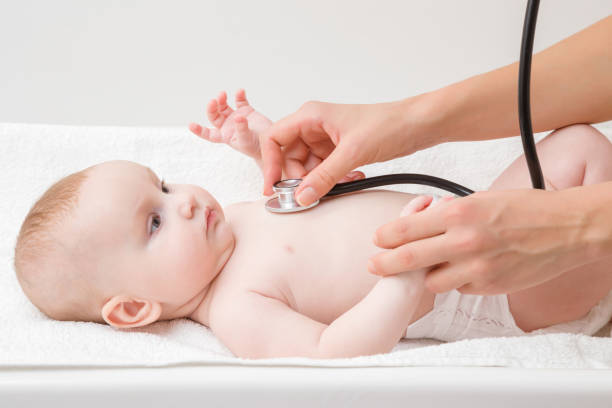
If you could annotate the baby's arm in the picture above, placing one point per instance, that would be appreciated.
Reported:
(254, 325)
(378, 321)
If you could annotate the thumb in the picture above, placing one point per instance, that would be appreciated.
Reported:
(325, 176)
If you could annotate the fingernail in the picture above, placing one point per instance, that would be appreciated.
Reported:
(375, 239)
(306, 196)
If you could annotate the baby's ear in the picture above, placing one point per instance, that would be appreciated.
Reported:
(124, 312)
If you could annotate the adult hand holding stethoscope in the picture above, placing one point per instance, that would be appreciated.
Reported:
(466, 242)
(459, 235)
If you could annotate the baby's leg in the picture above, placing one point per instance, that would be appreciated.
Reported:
(572, 156)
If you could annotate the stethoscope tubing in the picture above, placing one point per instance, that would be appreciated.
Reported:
(400, 178)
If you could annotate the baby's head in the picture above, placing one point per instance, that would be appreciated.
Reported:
(110, 243)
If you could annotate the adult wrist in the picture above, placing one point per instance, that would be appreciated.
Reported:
(423, 121)
(594, 203)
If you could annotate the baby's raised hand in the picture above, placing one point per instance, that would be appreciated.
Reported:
(238, 128)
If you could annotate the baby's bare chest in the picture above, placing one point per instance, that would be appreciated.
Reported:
(316, 261)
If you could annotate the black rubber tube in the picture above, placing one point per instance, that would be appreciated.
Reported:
(401, 178)
(524, 105)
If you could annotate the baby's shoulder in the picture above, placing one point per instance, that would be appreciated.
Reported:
(231, 290)
(233, 303)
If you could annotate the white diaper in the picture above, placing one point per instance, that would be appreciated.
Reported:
(456, 316)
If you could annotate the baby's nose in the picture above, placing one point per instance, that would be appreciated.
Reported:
(188, 205)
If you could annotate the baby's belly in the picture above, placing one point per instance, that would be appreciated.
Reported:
(317, 259)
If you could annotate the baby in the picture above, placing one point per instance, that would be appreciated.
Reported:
(112, 243)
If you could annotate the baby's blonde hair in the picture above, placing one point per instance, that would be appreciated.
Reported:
(46, 268)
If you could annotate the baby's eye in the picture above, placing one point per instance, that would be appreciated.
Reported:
(164, 187)
(155, 223)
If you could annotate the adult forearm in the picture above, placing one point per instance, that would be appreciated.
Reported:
(594, 240)
(571, 82)
(377, 322)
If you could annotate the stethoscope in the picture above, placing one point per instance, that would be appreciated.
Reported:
(285, 202)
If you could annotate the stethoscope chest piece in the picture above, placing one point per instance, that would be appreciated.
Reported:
(285, 202)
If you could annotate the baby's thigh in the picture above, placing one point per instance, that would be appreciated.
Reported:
(571, 156)
(563, 299)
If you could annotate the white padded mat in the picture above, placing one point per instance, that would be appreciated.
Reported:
(34, 156)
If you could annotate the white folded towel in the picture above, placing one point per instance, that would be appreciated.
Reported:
(37, 155)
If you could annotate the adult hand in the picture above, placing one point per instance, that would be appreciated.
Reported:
(490, 242)
(343, 136)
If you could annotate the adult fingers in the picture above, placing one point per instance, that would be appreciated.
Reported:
(410, 228)
(408, 257)
(313, 161)
(297, 167)
(447, 276)
(294, 169)
(280, 134)
(306, 125)
(272, 159)
(323, 177)
(295, 159)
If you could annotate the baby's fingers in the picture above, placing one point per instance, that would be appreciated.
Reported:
(242, 126)
(212, 135)
(198, 130)
(241, 100)
(224, 109)
(214, 114)
(417, 204)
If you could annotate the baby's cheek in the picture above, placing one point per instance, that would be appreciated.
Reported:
(192, 262)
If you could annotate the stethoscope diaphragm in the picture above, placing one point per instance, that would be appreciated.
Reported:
(284, 201)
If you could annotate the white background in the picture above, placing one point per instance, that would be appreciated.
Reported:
(157, 63)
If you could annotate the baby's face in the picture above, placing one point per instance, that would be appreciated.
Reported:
(164, 245)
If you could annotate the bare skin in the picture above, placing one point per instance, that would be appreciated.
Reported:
(570, 85)
(267, 285)
(274, 286)
(568, 296)
(296, 277)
